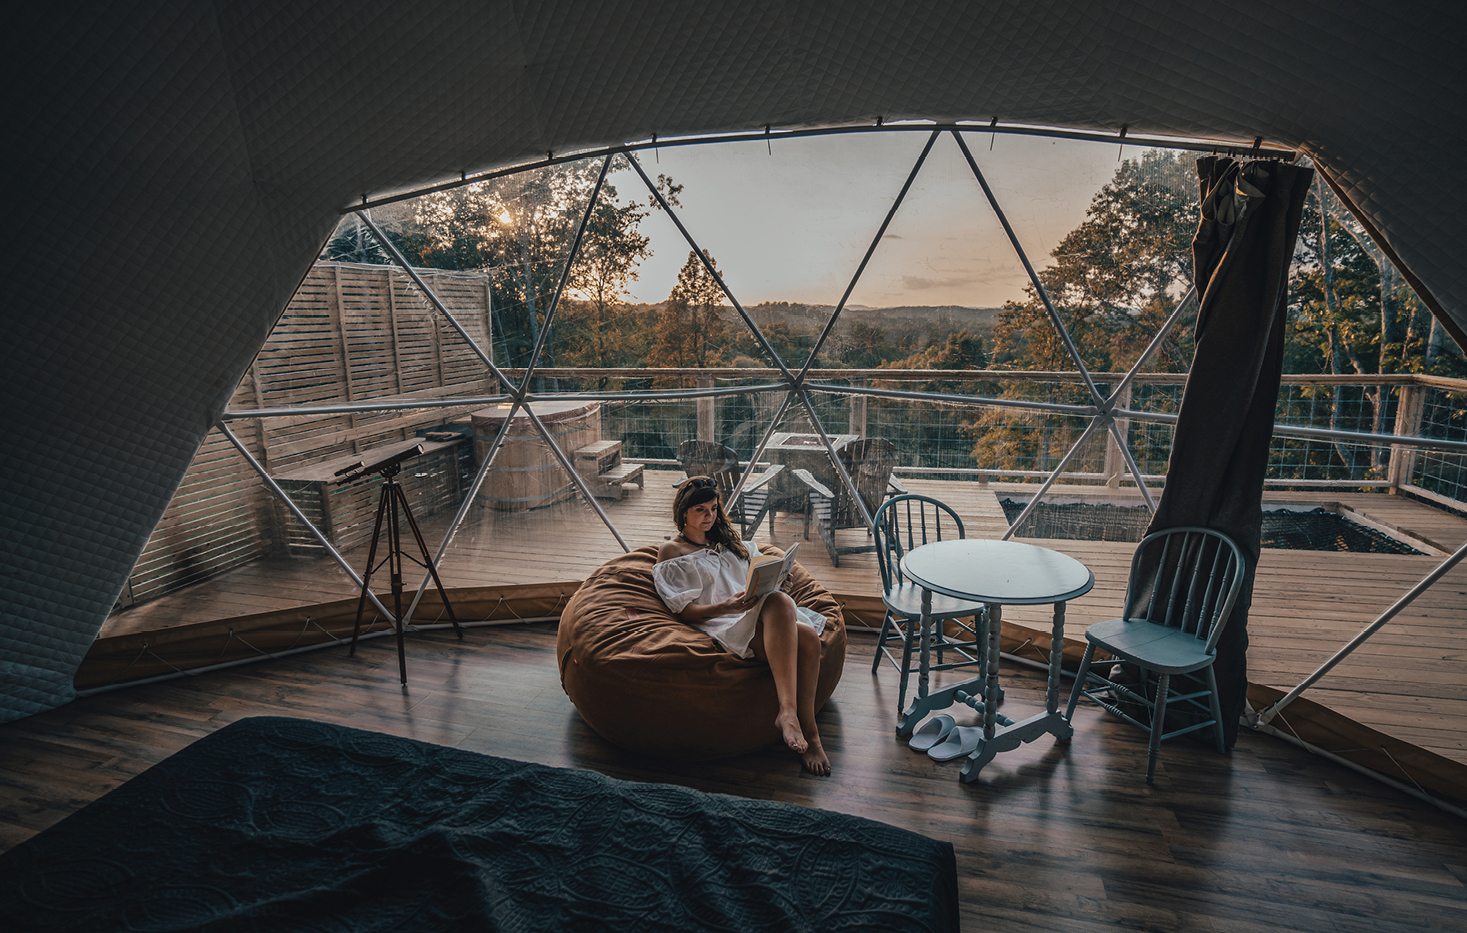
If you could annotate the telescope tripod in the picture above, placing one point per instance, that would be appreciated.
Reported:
(392, 508)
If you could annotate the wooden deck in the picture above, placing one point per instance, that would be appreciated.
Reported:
(1408, 682)
(1051, 838)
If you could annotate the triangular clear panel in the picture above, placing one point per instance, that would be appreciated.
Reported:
(1109, 229)
(930, 295)
(528, 522)
(516, 230)
(227, 547)
(787, 223)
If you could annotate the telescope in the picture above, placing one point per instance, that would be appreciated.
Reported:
(384, 464)
(392, 508)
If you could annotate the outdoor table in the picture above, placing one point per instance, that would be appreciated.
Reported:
(997, 573)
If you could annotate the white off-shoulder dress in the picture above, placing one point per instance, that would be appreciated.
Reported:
(711, 576)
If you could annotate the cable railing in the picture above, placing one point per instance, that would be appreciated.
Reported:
(1438, 411)
(973, 424)
(1401, 433)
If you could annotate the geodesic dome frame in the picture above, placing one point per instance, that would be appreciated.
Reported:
(181, 166)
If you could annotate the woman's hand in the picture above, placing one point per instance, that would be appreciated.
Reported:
(739, 602)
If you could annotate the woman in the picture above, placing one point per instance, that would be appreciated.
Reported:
(700, 574)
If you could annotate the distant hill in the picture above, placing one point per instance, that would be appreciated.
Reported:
(865, 336)
(979, 320)
(922, 321)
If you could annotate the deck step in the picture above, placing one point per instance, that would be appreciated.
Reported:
(612, 483)
(623, 473)
(597, 450)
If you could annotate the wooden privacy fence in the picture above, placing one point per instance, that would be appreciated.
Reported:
(351, 333)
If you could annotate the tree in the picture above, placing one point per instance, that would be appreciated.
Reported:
(612, 249)
(1116, 277)
(1114, 280)
(961, 350)
(519, 229)
(792, 342)
(690, 331)
(861, 345)
(1351, 311)
(929, 441)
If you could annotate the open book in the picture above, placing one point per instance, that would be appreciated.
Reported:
(768, 571)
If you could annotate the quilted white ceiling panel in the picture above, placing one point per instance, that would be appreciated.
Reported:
(178, 165)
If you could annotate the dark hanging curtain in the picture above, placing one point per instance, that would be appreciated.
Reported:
(1245, 240)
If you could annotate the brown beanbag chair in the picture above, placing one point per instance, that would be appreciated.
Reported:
(648, 682)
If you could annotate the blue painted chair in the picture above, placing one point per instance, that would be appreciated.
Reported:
(902, 523)
(1182, 587)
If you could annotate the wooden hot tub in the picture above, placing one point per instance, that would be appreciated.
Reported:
(526, 475)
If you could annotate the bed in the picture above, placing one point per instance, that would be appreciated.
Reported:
(277, 823)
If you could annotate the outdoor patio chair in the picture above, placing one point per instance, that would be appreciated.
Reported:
(903, 523)
(710, 458)
(869, 462)
(1182, 587)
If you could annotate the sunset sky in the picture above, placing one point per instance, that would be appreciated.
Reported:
(792, 225)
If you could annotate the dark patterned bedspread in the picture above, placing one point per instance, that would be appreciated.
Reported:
(275, 824)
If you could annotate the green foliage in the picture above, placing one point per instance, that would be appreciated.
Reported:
(353, 242)
(615, 336)
(611, 250)
(961, 350)
(1117, 276)
(519, 230)
(1114, 280)
(790, 328)
(1350, 309)
(793, 344)
(861, 345)
(928, 434)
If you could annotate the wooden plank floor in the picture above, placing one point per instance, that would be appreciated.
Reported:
(1409, 681)
(1051, 837)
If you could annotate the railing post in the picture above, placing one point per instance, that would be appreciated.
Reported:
(856, 418)
(707, 412)
(1115, 464)
(1410, 407)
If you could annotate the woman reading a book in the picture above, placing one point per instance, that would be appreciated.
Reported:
(703, 575)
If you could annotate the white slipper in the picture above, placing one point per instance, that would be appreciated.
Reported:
(931, 732)
(962, 741)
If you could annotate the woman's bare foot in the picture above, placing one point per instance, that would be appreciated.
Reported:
(788, 725)
(814, 758)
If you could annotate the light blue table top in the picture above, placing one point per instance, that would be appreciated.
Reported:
(1005, 572)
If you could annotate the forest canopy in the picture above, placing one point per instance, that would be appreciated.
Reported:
(1113, 280)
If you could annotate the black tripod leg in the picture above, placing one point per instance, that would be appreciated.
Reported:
(428, 563)
(394, 558)
(367, 571)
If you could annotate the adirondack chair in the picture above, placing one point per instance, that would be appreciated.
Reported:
(869, 462)
(709, 458)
